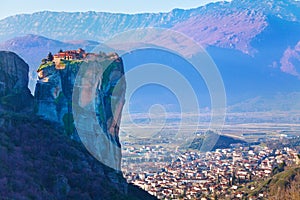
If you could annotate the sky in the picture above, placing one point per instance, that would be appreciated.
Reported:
(13, 7)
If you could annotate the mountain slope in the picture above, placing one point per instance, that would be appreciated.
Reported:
(284, 185)
(279, 102)
(209, 137)
(224, 24)
(38, 162)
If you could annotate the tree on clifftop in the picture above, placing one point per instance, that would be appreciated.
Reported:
(50, 57)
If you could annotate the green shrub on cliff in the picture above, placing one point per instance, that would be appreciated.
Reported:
(69, 123)
(45, 65)
(16, 101)
(59, 97)
(106, 74)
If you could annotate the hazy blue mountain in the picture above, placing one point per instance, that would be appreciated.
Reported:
(255, 44)
(278, 102)
(223, 24)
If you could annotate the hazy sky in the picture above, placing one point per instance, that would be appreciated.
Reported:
(13, 7)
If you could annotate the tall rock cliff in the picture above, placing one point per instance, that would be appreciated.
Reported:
(14, 93)
(37, 161)
(54, 101)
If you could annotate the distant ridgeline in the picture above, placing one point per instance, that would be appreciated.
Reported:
(54, 89)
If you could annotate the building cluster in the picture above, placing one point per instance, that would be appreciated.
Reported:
(77, 55)
(152, 158)
(70, 55)
(196, 175)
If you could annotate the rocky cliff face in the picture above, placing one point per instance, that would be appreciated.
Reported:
(37, 161)
(14, 94)
(54, 102)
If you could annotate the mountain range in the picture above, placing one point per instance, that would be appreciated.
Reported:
(224, 24)
(255, 44)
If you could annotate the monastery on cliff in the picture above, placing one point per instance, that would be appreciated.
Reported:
(69, 55)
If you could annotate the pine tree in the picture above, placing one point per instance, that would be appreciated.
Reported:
(50, 57)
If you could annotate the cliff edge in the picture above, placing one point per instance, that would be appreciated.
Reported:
(14, 93)
(99, 86)
(37, 159)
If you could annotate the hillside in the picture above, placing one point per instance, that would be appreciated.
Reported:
(284, 185)
(202, 142)
(39, 162)
(284, 142)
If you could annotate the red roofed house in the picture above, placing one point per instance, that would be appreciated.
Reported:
(69, 55)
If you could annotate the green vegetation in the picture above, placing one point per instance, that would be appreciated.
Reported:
(209, 138)
(282, 181)
(76, 62)
(10, 100)
(285, 142)
(279, 168)
(45, 65)
(105, 77)
(285, 177)
(59, 97)
(69, 123)
(101, 113)
(38, 159)
(73, 65)
(50, 57)
(15, 101)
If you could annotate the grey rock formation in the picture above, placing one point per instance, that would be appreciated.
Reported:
(36, 161)
(98, 99)
(14, 93)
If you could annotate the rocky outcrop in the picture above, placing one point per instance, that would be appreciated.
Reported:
(33, 47)
(54, 101)
(14, 93)
(37, 161)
